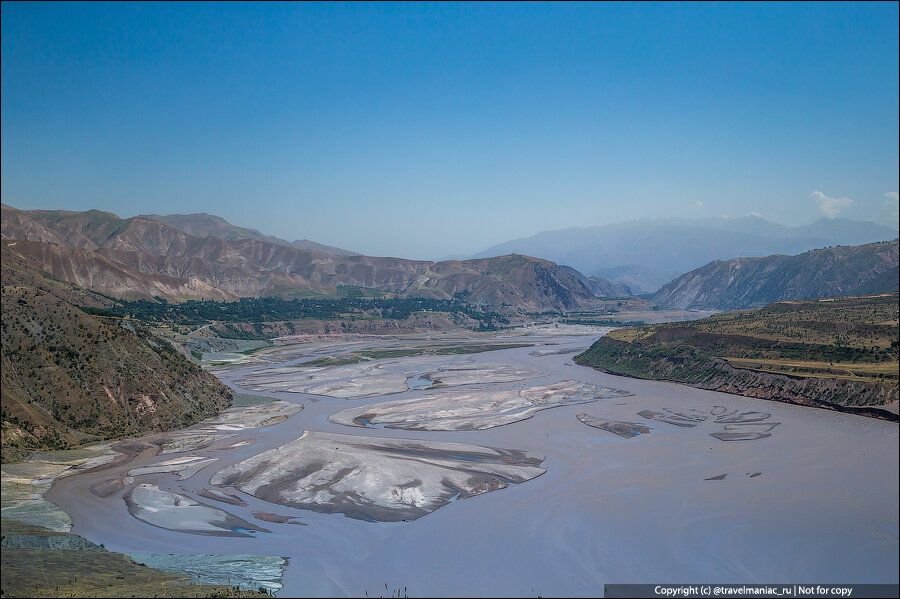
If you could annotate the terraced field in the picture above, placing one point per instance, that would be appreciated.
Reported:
(842, 370)
(830, 353)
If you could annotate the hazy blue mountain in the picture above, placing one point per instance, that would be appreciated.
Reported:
(644, 254)
(638, 279)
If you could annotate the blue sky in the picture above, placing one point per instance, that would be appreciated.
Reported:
(422, 130)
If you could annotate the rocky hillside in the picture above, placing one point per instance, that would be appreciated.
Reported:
(96, 271)
(68, 377)
(753, 282)
(145, 257)
(836, 353)
(209, 225)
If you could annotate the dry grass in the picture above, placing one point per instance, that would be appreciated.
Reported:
(861, 322)
(60, 573)
(76, 573)
(806, 368)
(630, 334)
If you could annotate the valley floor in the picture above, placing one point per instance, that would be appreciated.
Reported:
(510, 472)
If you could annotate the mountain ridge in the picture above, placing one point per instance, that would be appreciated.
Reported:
(757, 281)
(144, 257)
(640, 254)
(201, 224)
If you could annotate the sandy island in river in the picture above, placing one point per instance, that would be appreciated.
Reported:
(376, 478)
(473, 409)
(226, 424)
(623, 429)
(180, 513)
(382, 377)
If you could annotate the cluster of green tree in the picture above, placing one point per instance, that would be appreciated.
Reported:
(274, 309)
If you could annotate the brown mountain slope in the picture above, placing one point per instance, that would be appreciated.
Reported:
(88, 230)
(68, 377)
(752, 282)
(17, 224)
(154, 258)
(210, 225)
(97, 272)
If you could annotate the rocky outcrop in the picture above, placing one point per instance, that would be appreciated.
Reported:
(66, 542)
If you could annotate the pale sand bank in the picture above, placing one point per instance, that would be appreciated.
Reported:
(376, 478)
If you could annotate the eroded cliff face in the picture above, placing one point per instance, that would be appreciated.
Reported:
(800, 390)
(689, 366)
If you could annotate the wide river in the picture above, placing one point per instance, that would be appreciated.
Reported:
(815, 501)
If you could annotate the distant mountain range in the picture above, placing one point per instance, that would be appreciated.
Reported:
(755, 282)
(203, 256)
(645, 254)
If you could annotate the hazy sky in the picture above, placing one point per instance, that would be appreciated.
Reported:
(424, 130)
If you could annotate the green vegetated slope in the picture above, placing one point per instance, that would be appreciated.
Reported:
(70, 377)
(830, 353)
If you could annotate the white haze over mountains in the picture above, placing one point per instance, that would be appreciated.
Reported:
(645, 254)
(830, 207)
(890, 208)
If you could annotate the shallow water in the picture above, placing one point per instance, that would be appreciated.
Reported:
(25, 484)
(250, 572)
(419, 382)
(609, 509)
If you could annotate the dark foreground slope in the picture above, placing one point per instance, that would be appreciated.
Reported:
(69, 377)
(755, 282)
(36, 562)
(839, 354)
